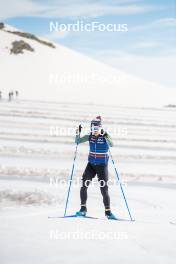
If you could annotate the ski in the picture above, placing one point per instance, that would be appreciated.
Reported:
(73, 216)
(91, 217)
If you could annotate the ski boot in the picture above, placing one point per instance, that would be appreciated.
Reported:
(110, 215)
(82, 211)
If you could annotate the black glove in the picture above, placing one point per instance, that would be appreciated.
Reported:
(78, 130)
(103, 133)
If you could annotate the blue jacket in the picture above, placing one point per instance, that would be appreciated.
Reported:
(98, 147)
(98, 150)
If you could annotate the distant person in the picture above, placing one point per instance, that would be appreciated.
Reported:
(17, 94)
(0, 95)
(10, 96)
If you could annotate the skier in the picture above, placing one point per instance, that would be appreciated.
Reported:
(16, 93)
(10, 96)
(99, 142)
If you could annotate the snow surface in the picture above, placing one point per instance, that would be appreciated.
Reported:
(34, 163)
(28, 236)
(62, 74)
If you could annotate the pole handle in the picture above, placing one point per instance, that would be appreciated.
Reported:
(80, 128)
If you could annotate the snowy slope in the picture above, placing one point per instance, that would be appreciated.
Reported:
(62, 74)
(31, 159)
(32, 132)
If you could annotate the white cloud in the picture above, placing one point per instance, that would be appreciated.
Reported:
(70, 8)
(159, 23)
(147, 44)
(18, 8)
(95, 10)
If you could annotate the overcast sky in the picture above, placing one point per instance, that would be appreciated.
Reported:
(147, 49)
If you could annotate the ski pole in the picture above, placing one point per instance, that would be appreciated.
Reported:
(118, 178)
(73, 167)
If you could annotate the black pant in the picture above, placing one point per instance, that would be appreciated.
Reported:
(102, 173)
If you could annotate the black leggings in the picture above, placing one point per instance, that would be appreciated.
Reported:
(102, 174)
